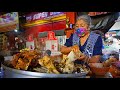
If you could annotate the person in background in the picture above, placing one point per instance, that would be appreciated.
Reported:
(90, 43)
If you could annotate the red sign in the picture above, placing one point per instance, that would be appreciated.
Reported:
(97, 13)
(30, 38)
(41, 15)
(51, 35)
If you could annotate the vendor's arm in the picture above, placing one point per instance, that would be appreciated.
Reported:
(68, 46)
(93, 59)
(66, 50)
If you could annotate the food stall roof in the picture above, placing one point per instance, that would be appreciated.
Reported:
(116, 26)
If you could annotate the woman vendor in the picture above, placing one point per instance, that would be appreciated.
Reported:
(90, 43)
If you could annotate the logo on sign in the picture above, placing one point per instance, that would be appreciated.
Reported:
(51, 35)
(42, 15)
(30, 38)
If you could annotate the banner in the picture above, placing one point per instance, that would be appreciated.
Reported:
(9, 21)
(51, 35)
(42, 15)
(97, 13)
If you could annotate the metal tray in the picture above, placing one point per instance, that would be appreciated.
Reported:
(14, 73)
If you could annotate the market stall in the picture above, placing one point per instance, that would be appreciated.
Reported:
(45, 34)
(39, 24)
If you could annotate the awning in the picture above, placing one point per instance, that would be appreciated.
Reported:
(116, 26)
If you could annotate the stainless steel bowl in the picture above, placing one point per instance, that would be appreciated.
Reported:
(14, 73)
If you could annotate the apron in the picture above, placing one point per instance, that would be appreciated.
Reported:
(88, 50)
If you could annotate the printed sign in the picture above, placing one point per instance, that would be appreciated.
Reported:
(52, 45)
(30, 38)
(97, 13)
(51, 35)
(42, 15)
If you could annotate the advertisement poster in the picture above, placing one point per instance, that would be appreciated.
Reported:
(30, 45)
(51, 42)
(52, 45)
(9, 21)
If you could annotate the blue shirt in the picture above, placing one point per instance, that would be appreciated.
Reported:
(97, 48)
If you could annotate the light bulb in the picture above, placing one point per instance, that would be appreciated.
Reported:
(16, 30)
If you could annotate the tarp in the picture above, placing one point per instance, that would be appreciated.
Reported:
(116, 26)
(102, 22)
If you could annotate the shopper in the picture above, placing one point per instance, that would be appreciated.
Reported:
(90, 43)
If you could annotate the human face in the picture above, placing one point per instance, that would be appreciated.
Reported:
(82, 24)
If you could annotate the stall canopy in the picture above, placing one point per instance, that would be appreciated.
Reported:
(102, 21)
(116, 26)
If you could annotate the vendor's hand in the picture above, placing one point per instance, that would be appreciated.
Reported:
(83, 57)
(75, 48)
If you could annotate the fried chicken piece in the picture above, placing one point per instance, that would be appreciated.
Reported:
(22, 64)
(47, 62)
(68, 61)
(69, 68)
(24, 59)
(15, 60)
(108, 62)
(67, 64)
